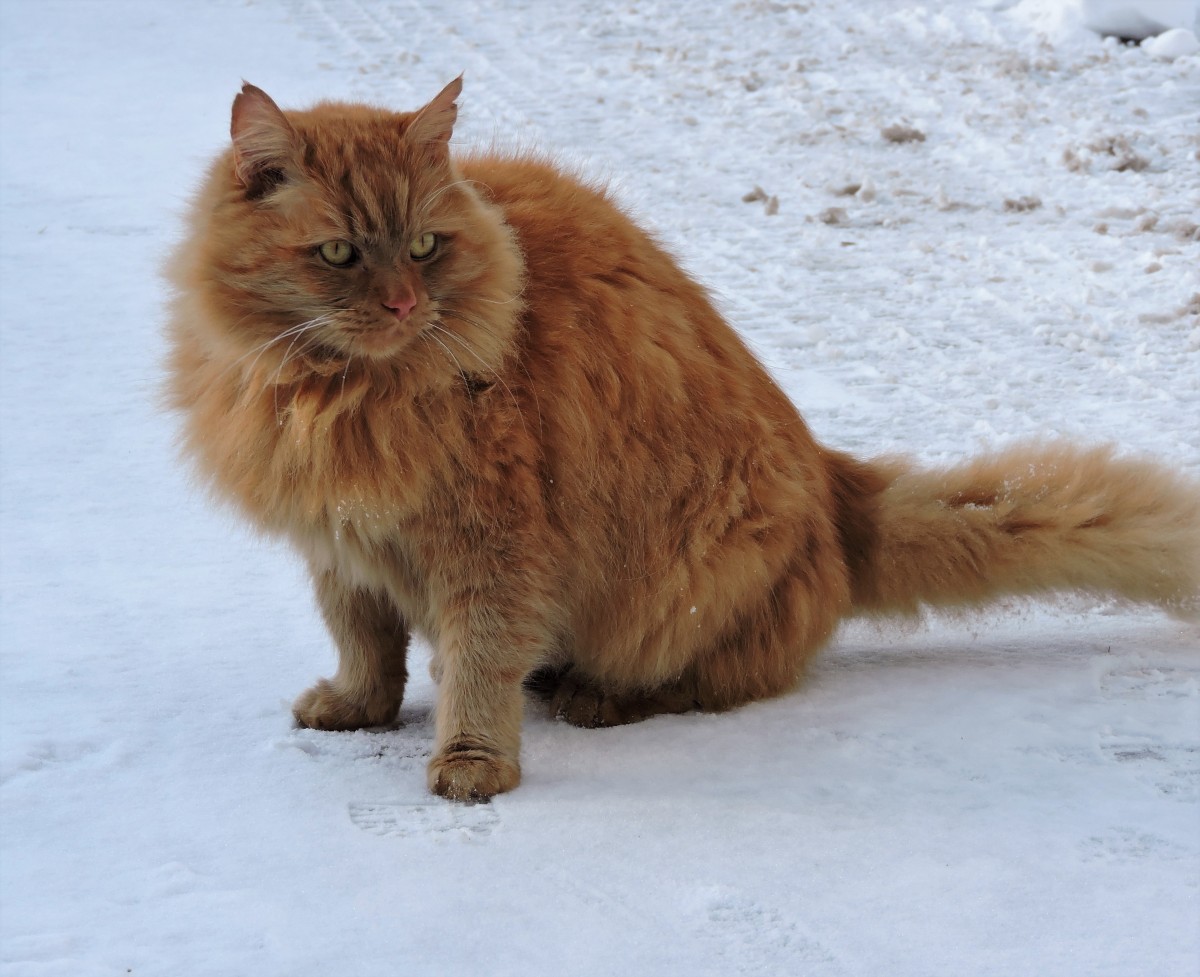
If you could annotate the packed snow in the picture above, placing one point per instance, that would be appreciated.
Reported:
(943, 227)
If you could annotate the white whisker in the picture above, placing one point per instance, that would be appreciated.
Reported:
(508, 301)
(492, 370)
(445, 349)
(308, 344)
(261, 348)
(342, 394)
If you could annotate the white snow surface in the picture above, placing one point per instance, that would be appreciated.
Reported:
(1014, 792)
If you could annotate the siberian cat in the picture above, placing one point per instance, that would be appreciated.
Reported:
(487, 408)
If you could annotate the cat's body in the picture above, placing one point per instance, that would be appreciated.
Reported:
(487, 408)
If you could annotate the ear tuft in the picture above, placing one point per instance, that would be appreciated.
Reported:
(263, 140)
(433, 125)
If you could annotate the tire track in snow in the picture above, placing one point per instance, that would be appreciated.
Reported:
(391, 36)
(345, 32)
(509, 103)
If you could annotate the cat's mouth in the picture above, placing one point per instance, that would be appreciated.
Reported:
(383, 341)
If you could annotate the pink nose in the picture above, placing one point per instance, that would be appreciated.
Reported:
(401, 305)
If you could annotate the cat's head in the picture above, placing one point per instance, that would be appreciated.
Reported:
(345, 233)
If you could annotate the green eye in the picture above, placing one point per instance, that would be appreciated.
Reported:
(423, 247)
(337, 253)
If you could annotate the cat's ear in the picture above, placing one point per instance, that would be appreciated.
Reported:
(263, 141)
(433, 124)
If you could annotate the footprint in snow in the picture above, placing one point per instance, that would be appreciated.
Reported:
(1173, 769)
(432, 818)
(1130, 845)
(750, 937)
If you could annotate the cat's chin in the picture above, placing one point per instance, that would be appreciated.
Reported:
(383, 343)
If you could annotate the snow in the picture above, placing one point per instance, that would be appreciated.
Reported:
(1011, 792)
(1139, 18)
(1127, 19)
(1178, 42)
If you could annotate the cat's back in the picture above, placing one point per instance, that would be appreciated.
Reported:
(571, 231)
(603, 294)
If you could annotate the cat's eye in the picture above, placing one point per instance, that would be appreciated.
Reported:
(423, 247)
(338, 253)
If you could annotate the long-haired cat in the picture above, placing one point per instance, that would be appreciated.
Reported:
(486, 407)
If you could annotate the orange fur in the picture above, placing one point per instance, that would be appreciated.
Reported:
(562, 466)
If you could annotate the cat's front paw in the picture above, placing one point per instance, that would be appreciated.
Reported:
(472, 773)
(325, 706)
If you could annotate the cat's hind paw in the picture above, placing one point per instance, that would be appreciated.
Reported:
(582, 703)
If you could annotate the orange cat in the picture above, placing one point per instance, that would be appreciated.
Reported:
(487, 408)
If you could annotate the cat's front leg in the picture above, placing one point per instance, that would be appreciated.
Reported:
(484, 656)
(371, 639)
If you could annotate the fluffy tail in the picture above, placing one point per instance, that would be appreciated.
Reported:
(1031, 520)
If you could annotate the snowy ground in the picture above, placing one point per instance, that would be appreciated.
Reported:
(1015, 793)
